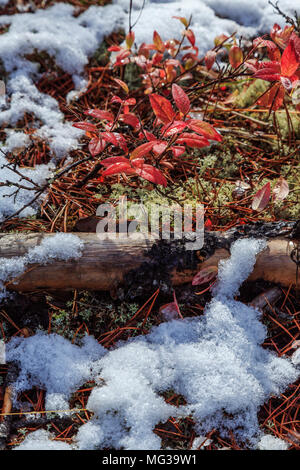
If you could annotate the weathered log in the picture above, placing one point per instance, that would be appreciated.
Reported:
(106, 264)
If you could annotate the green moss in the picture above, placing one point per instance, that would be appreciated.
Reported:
(132, 76)
(249, 94)
(283, 124)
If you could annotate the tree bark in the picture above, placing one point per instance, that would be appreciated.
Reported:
(105, 264)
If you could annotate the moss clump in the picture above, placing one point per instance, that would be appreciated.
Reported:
(249, 94)
(283, 124)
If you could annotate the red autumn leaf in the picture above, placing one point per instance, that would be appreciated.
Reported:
(159, 148)
(281, 37)
(274, 97)
(192, 140)
(157, 41)
(112, 160)
(235, 56)
(273, 51)
(121, 141)
(209, 59)
(122, 85)
(138, 162)
(289, 62)
(183, 20)
(86, 126)
(181, 99)
(205, 129)
(190, 36)
(130, 102)
(114, 48)
(175, 128)
(152, 174)
(96, 146)
(162, 108)
(281, 189)
(148, 135)
(261, 198)
(169, 311)
(98, 113)
(205, 275)
(116, 99)
(118, 168)
(177, 150)
(131, 120)
(143, 149)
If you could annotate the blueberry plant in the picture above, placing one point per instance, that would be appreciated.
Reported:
(158, 140)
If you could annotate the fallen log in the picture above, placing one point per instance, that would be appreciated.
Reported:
(107, 264)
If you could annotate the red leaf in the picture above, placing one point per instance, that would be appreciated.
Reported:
(130, 119)
(175, 128)
(116, 99)
(162, 108)
(190, 35)
(210, 58)
(159, 45)
(177, 150)
(192, 140)
(289, 62)
(159, 148)
(96, 146)
(122, 85)
(235, 56)
(112, 160)
(169, 311)
(115, 139)
(267, 74)
(183, 20)
(281, 189)
(114, 48)
(143, 149)
(181, 99)
(86, 126)
(138, 162)
(205, 275)
(205, 129)
(152, 174)
(98, 113)
(261, 198)
(117, 168)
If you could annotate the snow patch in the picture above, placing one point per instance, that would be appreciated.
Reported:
(269, 442)
(215, 361)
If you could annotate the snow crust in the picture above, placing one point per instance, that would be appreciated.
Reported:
(62, 246)
(215, 361)
(269, 442)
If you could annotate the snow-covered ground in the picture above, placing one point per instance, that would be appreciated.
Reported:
(215, 361)
(71, 41)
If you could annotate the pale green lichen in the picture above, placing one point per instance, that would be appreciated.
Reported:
(249, 94)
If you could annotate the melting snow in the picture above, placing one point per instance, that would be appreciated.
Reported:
(215, 361)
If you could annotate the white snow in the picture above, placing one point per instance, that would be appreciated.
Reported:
(269, 442)
(42, 440)
(61, 246)
(215, 361)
